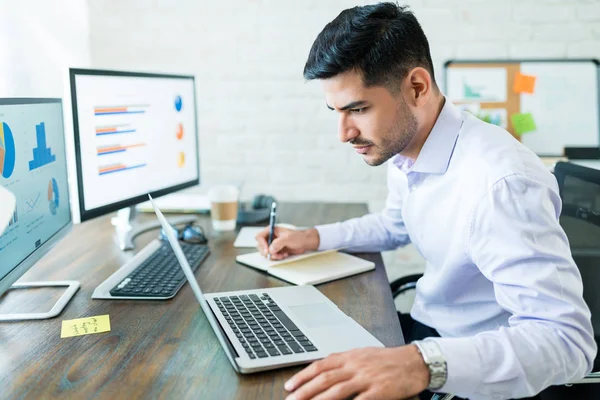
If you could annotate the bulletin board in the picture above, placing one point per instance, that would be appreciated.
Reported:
(546, 104)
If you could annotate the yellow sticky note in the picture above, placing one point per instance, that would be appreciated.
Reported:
(85, 326)
(524, 83)
(523, 123)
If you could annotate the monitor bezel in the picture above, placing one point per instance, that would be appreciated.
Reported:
(84, 214)
(32, 258)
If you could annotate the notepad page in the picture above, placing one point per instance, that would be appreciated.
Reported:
(325, 268)
(258, 261)
(246, 237)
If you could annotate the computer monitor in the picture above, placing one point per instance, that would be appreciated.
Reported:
(33, 167)
(135, 133)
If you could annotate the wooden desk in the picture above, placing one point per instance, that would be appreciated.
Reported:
(162, 349)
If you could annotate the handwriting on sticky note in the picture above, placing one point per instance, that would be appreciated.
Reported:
(524, 83)
(85, 326)
(523, 123)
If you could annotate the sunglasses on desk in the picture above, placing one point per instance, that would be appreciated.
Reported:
(193, 234)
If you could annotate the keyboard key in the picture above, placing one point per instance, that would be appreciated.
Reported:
(284, 350)
(295, 347)
(310, 348)
(262, 355)
(285, 320)
(252, 356)
(296, 333)
(305, 343)
(273, 352)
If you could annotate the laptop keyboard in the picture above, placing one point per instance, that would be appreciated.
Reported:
(262, 327)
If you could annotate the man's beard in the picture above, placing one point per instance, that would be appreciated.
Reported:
(398, 137)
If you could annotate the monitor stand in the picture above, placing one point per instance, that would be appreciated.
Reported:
(72, 287)
(127, 228)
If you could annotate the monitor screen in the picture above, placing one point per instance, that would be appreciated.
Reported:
(33, 167)
(135, 134)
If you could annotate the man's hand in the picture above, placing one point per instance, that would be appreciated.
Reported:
(369, 373)
(287, 242)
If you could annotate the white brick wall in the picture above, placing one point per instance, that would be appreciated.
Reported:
(39, 39)
(259, 121)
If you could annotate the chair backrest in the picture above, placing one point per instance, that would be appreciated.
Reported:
(580, 218)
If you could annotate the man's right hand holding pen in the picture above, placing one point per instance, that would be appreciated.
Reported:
(287, 242)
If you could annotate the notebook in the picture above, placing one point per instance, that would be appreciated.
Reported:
(310, 268)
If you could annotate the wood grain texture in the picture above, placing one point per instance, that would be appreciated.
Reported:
(163, 349)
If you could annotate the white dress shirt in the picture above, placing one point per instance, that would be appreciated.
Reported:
(500, 285)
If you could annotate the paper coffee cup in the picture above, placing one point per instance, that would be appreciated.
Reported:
(224, 207)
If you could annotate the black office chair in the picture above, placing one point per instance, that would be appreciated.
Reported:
(580, 218)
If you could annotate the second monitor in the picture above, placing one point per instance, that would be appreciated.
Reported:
(135, 133)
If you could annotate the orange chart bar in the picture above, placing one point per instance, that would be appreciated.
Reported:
(117, 148)
(112, 110)
(109, 169)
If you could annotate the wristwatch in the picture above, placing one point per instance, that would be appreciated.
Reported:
(435, 361)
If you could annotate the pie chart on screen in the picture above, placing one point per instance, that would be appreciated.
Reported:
(7, 151)
(53, 196)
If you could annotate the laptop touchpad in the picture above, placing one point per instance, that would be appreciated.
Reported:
(319, 315)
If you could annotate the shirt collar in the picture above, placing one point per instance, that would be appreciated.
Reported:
(436, 153)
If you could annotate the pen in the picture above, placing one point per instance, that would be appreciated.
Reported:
(272, 219)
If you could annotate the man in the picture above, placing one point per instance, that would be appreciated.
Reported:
(500, 286)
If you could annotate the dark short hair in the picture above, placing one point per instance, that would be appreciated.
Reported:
(382, 41)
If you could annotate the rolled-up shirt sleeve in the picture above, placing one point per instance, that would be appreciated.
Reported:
(517, 243)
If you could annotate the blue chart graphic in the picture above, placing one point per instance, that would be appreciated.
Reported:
(33, 202)
(178, 103)
(7, 151)
(42, 154)
(14, 219)
(53, 196)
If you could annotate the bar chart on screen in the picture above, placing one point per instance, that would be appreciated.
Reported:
(42, 154)
(120, 109)
(15, 217)
(117, 148)
(114, 129)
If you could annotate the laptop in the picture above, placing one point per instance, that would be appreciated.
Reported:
(273, 328)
